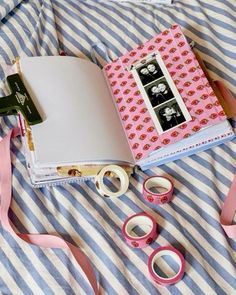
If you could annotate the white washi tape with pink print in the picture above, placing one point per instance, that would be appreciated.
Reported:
(158, 182)
(148, 226)
(121, 174)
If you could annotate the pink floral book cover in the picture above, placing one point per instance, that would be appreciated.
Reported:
(161, 93)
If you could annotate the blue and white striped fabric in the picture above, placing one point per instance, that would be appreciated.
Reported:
(76, 212)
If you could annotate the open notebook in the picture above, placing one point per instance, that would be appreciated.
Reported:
(150, 106)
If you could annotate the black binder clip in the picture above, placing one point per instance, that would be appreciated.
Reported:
(19, 101)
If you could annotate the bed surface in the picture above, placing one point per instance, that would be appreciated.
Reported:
(76, 212)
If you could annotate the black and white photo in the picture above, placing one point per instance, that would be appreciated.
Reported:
(158, 92)
(149, 72)
(169, 115)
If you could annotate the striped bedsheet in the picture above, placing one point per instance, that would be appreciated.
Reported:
(76, 212)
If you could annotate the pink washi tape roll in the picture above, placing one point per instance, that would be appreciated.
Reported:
(158, 182)
(140, 219)
(153, 259)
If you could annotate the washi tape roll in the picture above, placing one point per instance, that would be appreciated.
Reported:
(146, 237)
(108, 170)
(158, 182)
(153, 260)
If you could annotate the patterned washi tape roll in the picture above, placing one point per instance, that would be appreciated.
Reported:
(158, 182)
(140, 219)
(111, 170)
(153, 259)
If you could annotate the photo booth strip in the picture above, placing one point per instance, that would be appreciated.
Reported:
(169, 93)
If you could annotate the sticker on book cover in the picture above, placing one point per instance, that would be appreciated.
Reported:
(161, 96)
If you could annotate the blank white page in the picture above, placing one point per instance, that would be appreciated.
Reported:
(80, 122)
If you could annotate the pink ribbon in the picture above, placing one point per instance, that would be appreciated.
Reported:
(49, 241)
(228, 98)
(228, 211)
